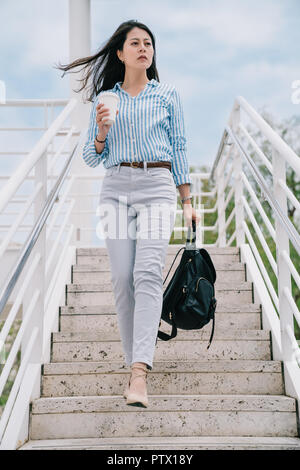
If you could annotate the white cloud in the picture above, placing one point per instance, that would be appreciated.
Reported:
(232, 22)
(193, 87)
(201, 47)
(266, 71)
(36, 31)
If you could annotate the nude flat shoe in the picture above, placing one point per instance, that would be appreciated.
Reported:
(134, 398)
(125, 394)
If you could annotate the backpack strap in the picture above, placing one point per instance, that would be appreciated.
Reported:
(165, 336)
(213, 308)
(173, 263)
(212, 332)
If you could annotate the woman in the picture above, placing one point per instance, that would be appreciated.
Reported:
(149, 130)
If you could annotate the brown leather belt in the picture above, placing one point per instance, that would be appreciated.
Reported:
(149, 164)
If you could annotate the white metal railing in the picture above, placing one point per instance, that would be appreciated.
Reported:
(36, 282)
(237, 177)
(40, 289)
(43, 267)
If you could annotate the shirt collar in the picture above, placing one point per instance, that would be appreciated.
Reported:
(152, 82)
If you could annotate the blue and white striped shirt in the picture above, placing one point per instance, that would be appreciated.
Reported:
(148, 127)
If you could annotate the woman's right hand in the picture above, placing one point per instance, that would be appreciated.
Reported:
(101, 117)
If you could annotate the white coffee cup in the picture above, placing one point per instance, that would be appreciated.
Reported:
(110, 101)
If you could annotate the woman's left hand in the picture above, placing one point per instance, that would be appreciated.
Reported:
(189, 214)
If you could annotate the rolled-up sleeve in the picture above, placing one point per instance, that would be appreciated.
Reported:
(89, 153)
(180, 167)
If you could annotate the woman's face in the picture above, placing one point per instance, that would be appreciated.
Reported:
(137, 43)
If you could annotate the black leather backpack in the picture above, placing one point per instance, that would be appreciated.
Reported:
(189, 301)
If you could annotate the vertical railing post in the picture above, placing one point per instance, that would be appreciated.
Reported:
(220, 203)
(238, 202)
(196, 189)
(38, 278)
(80, 46)
(234, 122)
(282, 244)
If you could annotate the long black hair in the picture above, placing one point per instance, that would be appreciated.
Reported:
(104, 66)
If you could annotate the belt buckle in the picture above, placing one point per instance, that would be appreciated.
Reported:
(134, 164)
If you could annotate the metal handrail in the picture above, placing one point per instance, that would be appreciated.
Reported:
(277, 142)
(35, 102)
(26, 166)
(27, 249)
(219, 153)
(279, 309)
(287, 224)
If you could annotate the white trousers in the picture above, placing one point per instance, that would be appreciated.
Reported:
(137, 213)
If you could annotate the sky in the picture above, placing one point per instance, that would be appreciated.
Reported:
(212, 51)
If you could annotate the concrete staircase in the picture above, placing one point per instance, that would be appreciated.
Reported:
(228, 397)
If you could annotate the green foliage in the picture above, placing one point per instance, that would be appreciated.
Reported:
(7, 347)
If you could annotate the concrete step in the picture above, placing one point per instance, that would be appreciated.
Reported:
(99, 255)
(178, 415)
(107, 324)
(167, 378)
(106, 309)
(103, 263)
(103, 260)
(235, 344)
(182, 335)
(168, 443)
(172, 249)
(89, 274)
(101, 293)
(86, 318)
(107, 285)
